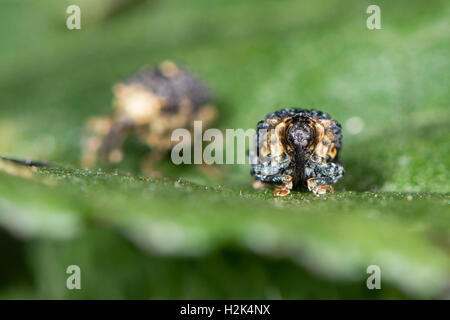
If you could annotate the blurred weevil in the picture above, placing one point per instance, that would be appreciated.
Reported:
(152, 104)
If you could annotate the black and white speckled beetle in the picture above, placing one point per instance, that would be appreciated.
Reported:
(151, 104)
(297, 148)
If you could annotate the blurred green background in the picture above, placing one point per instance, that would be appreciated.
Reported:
(194, 235)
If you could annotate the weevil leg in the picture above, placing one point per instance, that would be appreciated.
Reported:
(319, 185)
(285, 188)
(281, 192)
(148, 164)
(96, 130)
(111, 147)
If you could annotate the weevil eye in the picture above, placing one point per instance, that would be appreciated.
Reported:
(300, 134)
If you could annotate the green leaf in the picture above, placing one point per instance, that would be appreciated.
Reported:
(198, 235)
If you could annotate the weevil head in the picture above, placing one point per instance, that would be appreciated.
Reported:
(301, 134)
